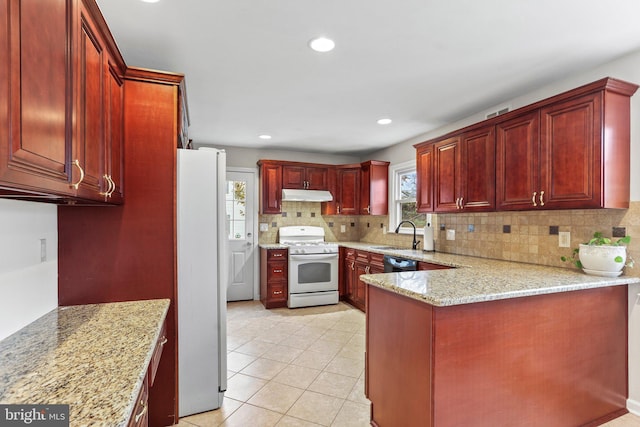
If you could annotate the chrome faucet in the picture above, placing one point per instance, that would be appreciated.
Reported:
(415, 242)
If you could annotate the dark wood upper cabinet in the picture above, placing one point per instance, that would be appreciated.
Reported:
(115, 136)
(304, 177)
(374, 181)
(571, 136)
(54, 144)
(348, 190)
(270, 187)
(446, 174)
(478, 170)
(35, 114)
(517, 161)
(424, 175)
(570, 151)
(90, 147)
(357, 189)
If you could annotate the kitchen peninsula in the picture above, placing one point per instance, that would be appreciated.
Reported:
(495, 343)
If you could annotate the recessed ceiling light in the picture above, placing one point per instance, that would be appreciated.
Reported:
(384, 121)
(151, 1)
(265, 137)
(322, 44)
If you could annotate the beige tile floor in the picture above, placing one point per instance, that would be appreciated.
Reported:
(302, 367)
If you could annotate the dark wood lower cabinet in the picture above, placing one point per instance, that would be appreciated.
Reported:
(546, 360)
(274, 277)
(356, 263)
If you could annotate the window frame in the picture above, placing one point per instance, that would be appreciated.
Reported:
(394, 196)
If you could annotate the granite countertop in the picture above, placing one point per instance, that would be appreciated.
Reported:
(272, 246)
(475, 279)
(91, 357)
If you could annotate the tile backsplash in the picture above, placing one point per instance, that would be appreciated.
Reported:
(513, 236)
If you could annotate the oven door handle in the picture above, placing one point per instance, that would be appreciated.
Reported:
(312, 257)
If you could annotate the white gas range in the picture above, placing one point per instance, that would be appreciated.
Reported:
(313, 266)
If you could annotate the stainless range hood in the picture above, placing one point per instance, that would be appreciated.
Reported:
(292, 195)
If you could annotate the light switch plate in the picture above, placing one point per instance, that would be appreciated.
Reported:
(451, 234)
(564, 239)
(343, 228)
(264, 226)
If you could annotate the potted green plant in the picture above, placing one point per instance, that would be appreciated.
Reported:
(602, 256)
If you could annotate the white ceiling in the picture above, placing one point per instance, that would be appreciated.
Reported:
(423, 63)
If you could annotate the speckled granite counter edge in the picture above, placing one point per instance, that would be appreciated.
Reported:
(478, 279)
(92, 357)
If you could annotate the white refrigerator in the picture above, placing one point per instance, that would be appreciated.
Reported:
(202, 280)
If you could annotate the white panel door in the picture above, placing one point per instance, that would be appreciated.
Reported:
(240, 219)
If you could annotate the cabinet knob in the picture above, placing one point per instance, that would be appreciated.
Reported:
(533, 199)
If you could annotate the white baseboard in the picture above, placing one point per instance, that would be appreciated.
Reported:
(633, 406)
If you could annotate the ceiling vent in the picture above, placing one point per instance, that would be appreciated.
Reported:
(497, 113)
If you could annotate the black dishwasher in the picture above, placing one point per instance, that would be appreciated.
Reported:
(394, 263)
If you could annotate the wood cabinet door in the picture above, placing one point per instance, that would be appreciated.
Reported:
(359, 300)
(570, 153)
(374, 183)
(478, 170)
(271, 188)
(517, 162)
(348, 191)
(424, 175)
(293, 177)
(89, 147)
(316, 178)
(115, 132)
(349, 275)
(36, 76)
(447, 174)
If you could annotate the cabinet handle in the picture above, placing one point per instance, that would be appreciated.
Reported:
(113, 186)
(275, 255)
(163, 341)
(533, 199)
(542, 198)
(367, 269)
(144, 410)
(77, 184)
(277, 292)
(277, 271)
(106, 193)
(368, 209)
(338, 208)
(461, 204)
(352, 265)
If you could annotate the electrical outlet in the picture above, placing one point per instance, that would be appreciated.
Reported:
(564, 239)
(343, 228)
(264, 226)
(43, 250)
(451, 234)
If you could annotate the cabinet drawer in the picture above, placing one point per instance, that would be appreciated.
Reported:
(276, 272)
(276, 254)
(362, 256)
(157, 353)
(277, 292)
(140, 414)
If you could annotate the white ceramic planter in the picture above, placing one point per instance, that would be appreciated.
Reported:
(601, 260)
